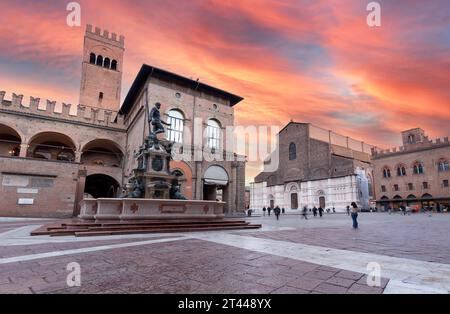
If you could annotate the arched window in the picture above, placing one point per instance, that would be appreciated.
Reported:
(107, 63)
(292, 151)
(175, 130)
(100, 60)
(418, 168)
(386, 172)
(443, 165)
(370, 185)
(401, 171)
(213, 134)
(92, 58)
(114, 65)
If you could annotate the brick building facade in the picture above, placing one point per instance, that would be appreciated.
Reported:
(53, 154)
(416, 174)
(314, 167)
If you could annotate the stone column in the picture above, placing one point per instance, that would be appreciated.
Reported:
(198, 181)
(23, 150)
(232, 188)
(79, 191)
(78, 156)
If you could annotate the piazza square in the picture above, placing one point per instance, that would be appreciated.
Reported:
(289, 256)
(243, 150)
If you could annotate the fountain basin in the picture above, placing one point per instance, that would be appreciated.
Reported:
(147, 209)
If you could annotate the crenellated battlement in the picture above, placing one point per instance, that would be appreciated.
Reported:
(53, 109)
(425, 144)
(105, 35)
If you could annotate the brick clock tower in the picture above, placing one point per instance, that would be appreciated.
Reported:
(101, 73)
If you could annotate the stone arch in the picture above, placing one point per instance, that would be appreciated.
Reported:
(99, 185)
(291, 185)
(102, 152)
(186, 181)
(10, 141)
(215, 181)
(52, 146)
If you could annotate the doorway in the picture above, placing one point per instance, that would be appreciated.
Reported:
(322, 202)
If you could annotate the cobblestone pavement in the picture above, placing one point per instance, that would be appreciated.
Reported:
(286, 256)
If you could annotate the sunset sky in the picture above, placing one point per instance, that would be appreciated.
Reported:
(310, 61)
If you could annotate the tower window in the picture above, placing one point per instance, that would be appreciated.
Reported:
(107, 63)
(100, 95)
(114, 65)
(92, 58)
(100, 60)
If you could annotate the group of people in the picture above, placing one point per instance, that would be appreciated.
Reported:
(351, 211)
(277, 211)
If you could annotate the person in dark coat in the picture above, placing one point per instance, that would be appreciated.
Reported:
(305, 213)
(315, 211)
(277, 212)
(264, 211)
(269, 209)
(348, 210)
(320, 211)
(283, 211)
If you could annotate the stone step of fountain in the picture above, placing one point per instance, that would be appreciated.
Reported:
(162, 230)
(81, 228)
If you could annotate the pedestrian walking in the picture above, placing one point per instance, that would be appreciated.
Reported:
(334, 210)
(403, 210)
(315, 211)
(320, 211)
(264, 211)
(305, 213)
(283, 211)
(348, 210)
(269, 209)
(277, 212)
(355, 215)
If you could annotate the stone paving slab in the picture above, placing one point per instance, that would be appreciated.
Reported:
(417, 237)
(185, 266)
(227, 262)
